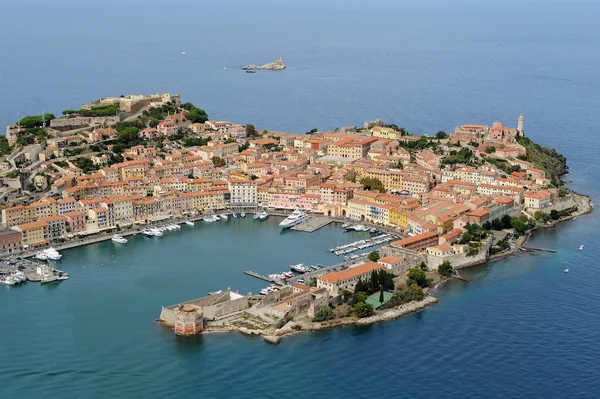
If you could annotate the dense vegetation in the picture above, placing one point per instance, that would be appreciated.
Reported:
(445, 269)
(372, 184)
(196, 115)
(547, 159)
(4, 147)
(35, 121)
(102, 110)
(464, 155)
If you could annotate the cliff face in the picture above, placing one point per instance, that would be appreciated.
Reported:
(276, 65)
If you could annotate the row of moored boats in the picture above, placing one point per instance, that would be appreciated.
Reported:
(362, 244)
(159, 231)
(14, 278)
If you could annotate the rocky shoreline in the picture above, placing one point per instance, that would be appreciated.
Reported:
(274, 335)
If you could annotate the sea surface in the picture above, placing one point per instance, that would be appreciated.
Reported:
(520, 328)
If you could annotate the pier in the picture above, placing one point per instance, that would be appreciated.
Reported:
(312, 224)
(362, 244)
(262, 277)
(538, 249)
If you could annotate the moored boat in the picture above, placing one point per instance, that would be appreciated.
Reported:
(189, 222)
(119, 239)
(293, 219)
(263, 216)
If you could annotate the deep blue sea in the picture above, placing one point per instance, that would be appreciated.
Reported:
(520, 329)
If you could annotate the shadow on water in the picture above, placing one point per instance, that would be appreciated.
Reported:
(185, 343)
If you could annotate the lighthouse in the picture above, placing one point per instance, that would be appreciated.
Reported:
(520, 124)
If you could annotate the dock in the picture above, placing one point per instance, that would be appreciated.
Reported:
(538, 249)
(262, 277)
(312, 224)
(27, 266)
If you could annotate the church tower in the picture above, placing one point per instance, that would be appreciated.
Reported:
(520, 125)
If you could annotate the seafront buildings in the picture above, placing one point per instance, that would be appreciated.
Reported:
(92, 178)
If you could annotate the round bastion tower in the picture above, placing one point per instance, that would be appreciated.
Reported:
(520, 125)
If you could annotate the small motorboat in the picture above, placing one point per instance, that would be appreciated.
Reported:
(581, 247)
(256, 216)
(263, 216)
(119, 239)
(566, 270)
(223, 216)
(243, 214)
(250, 71)
(345, 225)
(215, 292)
(189, 222)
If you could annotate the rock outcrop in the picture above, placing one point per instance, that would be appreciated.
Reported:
(276, 65)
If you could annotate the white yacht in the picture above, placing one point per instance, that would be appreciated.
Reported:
(263, 216)
(148, 233)
(256, 216)
(293, 219)
(156, 232)
(300, 268)
(189, 222)
(176, 226)
(119, 239)
(243, 214)
(48, 254)
(223, 216)
(41, 255)
(19, 276)
(210, 219)
(8, 280)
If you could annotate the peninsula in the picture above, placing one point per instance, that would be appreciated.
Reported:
(434, 203)
(275, 65)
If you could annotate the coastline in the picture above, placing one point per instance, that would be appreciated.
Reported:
(274, 335)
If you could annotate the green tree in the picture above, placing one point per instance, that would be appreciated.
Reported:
(441, 135)
(417, 276)
(489, 150)
(554, 215)
(218, 161)
(423, 266)
(250, 130)
(497, 224)
(4, 147)
(506, 223)
(154, 122)
(323, 314)
(445, 269)
(381, 298)
(487, 225)
(374, 256)
(539, 215)
(363, 309)
(374, 282)
(372, 184)
(466, 238)
(360, 286)
(411, 292)
(518, 224)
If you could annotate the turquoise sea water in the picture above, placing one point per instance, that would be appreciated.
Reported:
(521, 328)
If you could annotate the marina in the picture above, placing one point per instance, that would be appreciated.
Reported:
(17, 271)
(362, 244)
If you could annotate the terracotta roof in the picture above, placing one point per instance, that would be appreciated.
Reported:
(356, 271)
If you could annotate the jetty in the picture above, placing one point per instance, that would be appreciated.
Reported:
(362, 244)
(312, 224)
(538, 249)
(262, 277)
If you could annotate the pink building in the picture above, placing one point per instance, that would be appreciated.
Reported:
(166, 128)
(75, 221)
(293, 200)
